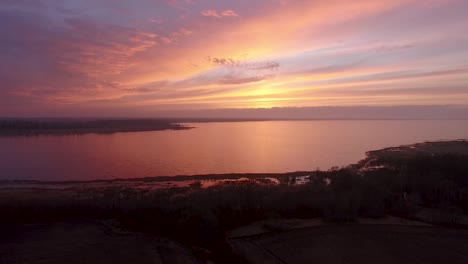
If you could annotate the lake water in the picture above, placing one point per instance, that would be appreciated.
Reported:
(239, 147)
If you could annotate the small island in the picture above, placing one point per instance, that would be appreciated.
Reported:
(34, 127)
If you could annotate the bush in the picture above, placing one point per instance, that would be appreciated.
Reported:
(405, 205)
(446, 214)
(341, 207)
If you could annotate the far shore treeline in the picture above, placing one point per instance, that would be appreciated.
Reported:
(13, 127)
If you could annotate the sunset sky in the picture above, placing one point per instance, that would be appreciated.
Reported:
(118, 57)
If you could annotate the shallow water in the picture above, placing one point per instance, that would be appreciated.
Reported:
(231, 147)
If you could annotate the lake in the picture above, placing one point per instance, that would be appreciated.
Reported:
(213, 148)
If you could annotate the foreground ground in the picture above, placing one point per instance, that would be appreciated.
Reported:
(308, 241)
(356, 243)
(85, 243)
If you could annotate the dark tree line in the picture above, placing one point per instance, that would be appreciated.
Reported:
(37, 126)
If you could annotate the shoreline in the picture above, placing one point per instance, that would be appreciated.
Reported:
(25, 127)
(200, 177)
(38, 127)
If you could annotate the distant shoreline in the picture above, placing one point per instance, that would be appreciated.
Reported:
(11, 127)
(37, 127)
(177, 178)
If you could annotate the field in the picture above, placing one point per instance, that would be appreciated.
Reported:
(354, 243)
(85, 242)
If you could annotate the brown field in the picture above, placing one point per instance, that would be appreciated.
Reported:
(354, 243)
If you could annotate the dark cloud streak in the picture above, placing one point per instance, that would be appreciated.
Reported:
(250, 65)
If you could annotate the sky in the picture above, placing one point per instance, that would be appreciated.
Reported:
(149, 57)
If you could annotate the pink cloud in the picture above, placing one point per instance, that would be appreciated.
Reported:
(100, 50)
(220, 14)
(210, 13)
(229, 13)
(176, 35)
